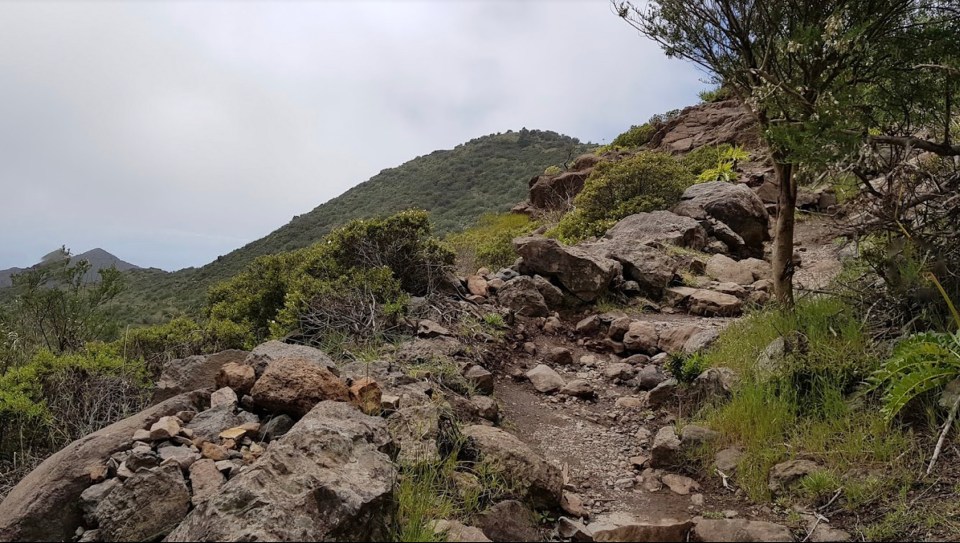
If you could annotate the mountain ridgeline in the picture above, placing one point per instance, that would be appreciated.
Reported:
(457, 186)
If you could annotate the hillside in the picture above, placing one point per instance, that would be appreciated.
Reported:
(457, 186)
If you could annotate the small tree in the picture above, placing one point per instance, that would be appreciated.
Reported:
(57, 308)
(810, 72)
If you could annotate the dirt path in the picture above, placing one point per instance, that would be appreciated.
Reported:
(595, 440)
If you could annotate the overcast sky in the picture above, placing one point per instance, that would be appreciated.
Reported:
(170, 133)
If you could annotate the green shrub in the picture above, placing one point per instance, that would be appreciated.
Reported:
(686, 367)
(716, 158)
(179, 338)
(645, 182)
(490, 242)
(367, 266)
(552, 170)
(636, 136)
(54, 399)
(716, 94)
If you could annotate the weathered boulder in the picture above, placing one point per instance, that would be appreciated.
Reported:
(580, 388)
(732, 204)
(522, 295)
(193, 373)
(480, 378)
(478, 286)
(452, 530)
(45, 505)
(294, 385)
(509, 521)
(327, 479)
(787, 473)
(429, 329)
(208, 424)
(205, 479)
(649, 267)
(625, 527)
(739, 530)
(239, 377)
(714, 384)
(707, 124)
(146, 507)
(552, 295)
(582, 273)
(662, 393)
(657, 228)
(557, 191)
(539, 480)
(665, 451)
(415, 429)
(265, 353)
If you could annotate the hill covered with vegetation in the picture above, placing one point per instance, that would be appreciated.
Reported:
(485, 175)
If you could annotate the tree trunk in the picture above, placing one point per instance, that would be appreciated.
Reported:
(783, 235)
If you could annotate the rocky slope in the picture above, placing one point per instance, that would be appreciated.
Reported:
(575, 406)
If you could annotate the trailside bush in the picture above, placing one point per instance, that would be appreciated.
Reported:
(636, 136)
(490, 242)
(371, 265)
(181, 337)
(54, 399)
(644, 182)
(704, 158)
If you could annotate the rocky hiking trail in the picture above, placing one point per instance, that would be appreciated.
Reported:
(605, 446)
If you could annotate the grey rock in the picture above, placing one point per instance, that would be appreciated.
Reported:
(732, 204)
(148, 506)
(265, 353)
(509, 521)
(545, 379)
(522, 295)
(665, 451)
(738, 530)
(275, 428)
(659, 227)
(327, 479)
(580, 272)
(539, 481)
(192, 373)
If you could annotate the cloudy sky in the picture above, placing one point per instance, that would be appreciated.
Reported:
(172, 132)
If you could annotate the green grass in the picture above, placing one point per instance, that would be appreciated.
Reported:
(809, 407)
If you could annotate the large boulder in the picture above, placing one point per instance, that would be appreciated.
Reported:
(193, 373)
(45, 505)
(732, 204)
(582, 273)
(707, 124)
(557, 191)
(539, 480)
(625, 527)
(265, 353)
(738, 530)
(659, 228)
(651, 268)
(146, 507)
(328, 479)
(294, 385)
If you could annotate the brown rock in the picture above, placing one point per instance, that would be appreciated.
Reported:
(478, 286)
(580, 272)
(293, 386)
(642, 336)
(239, 377)
(709, 303)
(545, 379)
(366, 394)
(735, 530)
(214, 452)
(509, 521)
(165, 428)
(193, 373)
(785, 474)
(224, 397)
(205, 479)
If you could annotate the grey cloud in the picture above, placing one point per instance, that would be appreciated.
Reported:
(170, 133)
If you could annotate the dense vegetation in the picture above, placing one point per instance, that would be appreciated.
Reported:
(645, 182)
(484, 175)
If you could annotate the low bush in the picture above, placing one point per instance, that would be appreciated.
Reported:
(55, 399)
(179, 338)
(644, 182)
(716, 94)
(353, 283)
(489, 243)
(636, 136)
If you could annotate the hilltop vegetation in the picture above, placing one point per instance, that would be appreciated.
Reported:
(484, 175)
